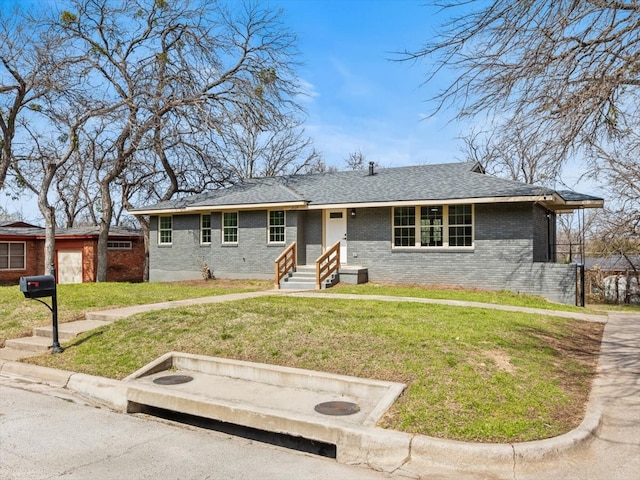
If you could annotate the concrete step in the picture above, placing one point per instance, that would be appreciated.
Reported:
(29, 344)
(295, 285)
(301, 283)
(306, 269)
(13, 355)
(311, 275)
(69, 330)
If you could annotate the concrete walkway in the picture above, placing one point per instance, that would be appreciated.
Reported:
(605, 446)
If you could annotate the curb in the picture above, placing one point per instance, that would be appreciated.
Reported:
(377, 448)
(501, 458)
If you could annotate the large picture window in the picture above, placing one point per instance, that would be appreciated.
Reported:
(165, 230)
(433, 226)
(230, 227)
(276, 226)
(12, 256)
(205, 229)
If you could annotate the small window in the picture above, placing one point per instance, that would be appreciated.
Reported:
(230, 227)
(335, 214)
(12, 256)
(123, 245)
(165, 231)
(404, 227)
(205, 229)
(276, 226)
(460, 226)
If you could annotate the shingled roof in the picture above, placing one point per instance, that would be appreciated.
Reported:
(423, 183)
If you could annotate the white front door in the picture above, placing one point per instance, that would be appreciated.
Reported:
(335, 228)
(69, 266)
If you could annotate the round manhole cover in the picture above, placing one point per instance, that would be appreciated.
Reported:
(337, 408)
(172, 379)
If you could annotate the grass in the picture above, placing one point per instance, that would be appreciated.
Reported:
(498, 297)
(18, 315)
(473, 374)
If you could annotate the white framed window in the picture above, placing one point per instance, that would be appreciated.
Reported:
(277, 222)
(119, 245)
(205, 229)
(433, 226)
(460, 226)
(165, 230)
(230, 227)
(13, 255)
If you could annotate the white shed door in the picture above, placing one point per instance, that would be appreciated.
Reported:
(69, 266)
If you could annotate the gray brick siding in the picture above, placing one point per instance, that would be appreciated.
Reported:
(542, 234)
(183, 258)
(503, 256)
(251, 257)
(312, 235)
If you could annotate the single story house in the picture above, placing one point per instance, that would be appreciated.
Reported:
(22, 254)
(446, 224)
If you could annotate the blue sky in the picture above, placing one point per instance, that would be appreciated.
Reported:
(360, 100)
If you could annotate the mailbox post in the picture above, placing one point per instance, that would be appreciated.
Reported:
(41, 286)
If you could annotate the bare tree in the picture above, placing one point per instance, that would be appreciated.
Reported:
(561, 74)
(616, 164)
(252, 146)
(555, 65)
(356, 160)
(23, 78)
(37, 170)
(511, 154)
(159, 65)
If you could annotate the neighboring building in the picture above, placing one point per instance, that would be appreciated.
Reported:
(613, 279)
(22, 254)
(448, 224)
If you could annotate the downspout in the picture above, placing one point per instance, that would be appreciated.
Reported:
(550, 256)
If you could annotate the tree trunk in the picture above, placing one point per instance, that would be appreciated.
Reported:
(103, 235)
(48, 213)
(144, 225)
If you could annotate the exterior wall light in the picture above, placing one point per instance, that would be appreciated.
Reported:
(353, 213)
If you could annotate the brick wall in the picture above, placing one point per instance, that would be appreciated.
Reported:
(34, 251)
(126, 265)
(252, 257)
(502, 257)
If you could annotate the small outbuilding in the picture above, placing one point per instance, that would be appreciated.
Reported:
(22, 253)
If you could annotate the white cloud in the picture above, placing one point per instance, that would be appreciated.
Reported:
(308, 92)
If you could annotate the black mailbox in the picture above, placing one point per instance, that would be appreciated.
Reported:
(38, 286)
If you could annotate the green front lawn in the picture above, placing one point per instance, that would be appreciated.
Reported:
(18, 315)
(472, 373)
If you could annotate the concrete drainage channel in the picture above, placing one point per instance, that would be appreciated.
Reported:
(278, 439)
(315, 412)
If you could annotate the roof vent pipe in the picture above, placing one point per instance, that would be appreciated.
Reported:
(371, 172)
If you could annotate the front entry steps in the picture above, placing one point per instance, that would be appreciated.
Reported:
(304, 278)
